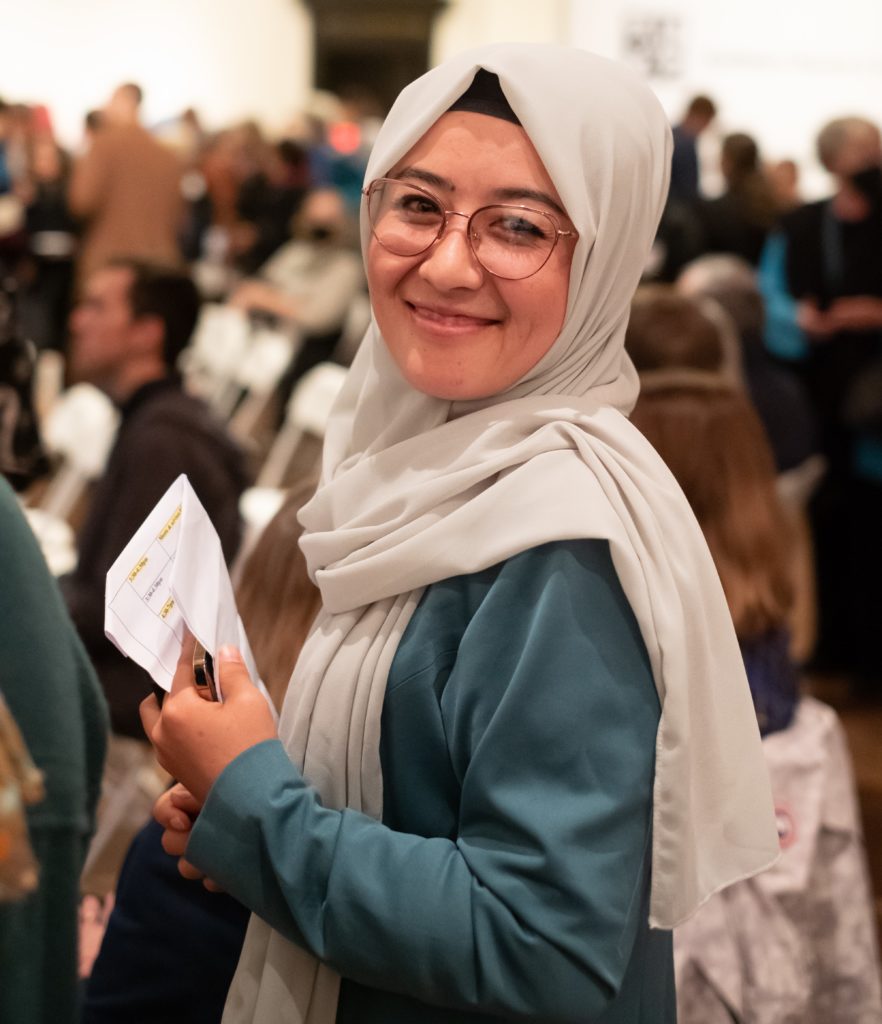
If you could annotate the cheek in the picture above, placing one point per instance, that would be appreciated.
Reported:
(540, 315)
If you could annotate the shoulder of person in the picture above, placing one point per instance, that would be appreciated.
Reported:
(804, 219)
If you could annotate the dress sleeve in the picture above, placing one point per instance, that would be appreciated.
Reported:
(534, 907)
(784, 337)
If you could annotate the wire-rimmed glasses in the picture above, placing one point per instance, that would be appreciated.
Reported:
(511, 242)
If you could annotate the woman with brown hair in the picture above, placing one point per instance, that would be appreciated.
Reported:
(729, 480)
(796, 942)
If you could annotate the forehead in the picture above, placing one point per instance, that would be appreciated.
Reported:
(110, 284)
(468, 150)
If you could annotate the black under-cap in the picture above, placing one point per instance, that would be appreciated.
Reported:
(485, 96)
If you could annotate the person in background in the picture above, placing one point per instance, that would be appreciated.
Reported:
(126, 188)
(268, 199)
(705, 326)
(667, 331)
(783, 176)
(127, 332)
(55, 699)
(52, 242)
(821, 275)
(777, 393)
(685, 176)
(310, 283)
(482, 796)
(739, 220)
(796, 942)
(5, 173)
(679, 234)
(163, 931)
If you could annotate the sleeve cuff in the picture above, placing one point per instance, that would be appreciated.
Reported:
(226, 831)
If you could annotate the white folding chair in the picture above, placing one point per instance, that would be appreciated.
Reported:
(78, 432)
(307, 414)
(212, 361)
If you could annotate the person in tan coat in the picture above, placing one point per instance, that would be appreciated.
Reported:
(127, 190)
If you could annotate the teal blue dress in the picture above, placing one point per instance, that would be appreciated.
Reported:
(509, 878)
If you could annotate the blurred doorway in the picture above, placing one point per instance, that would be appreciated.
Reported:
(366, 51)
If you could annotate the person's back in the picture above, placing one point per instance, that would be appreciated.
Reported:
(55, 699)
(797, 941)
(127, 189)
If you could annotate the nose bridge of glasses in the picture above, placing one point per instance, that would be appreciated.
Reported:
(467, 217)
(467, 228)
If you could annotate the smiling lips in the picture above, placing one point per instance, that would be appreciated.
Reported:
(439, 318)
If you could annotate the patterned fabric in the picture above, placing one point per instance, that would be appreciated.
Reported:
(21, 783)
(797, 943)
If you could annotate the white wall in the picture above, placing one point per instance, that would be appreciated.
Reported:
(776, 68)
(467, 23)
(227, 58)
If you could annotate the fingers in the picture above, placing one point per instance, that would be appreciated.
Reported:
(189, 871)
(184, 800)
(150, 713)
(175, 842)
(183, 677)
(232, 673)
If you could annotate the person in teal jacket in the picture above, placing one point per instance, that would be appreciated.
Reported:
(518, 745)
(57, 703)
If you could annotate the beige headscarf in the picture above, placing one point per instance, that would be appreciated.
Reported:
(415, 490)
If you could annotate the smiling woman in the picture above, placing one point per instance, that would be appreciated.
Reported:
(455, 322)
(518, 745)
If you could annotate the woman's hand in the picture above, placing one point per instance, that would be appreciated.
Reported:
(194, 738)
(176, 810)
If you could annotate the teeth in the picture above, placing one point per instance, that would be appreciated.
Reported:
(449, 317)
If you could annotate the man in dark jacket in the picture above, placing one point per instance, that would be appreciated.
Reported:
(126, 336)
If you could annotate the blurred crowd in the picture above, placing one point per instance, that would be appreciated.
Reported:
(209, 285)
(175, 194)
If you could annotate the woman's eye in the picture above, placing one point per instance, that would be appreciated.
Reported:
(518, 230)
(418, 206)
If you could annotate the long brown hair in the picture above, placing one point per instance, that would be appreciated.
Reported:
(276, 598)
(715, 445)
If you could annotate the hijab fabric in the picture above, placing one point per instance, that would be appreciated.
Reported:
(416, 489)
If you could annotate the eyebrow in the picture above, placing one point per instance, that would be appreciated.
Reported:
(500, 194)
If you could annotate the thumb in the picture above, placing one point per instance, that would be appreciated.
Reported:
(232, 673)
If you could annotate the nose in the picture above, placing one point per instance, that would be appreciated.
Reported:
(450, 262)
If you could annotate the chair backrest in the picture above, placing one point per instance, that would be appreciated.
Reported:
(78, 432)
(80, 429)
(306, 415)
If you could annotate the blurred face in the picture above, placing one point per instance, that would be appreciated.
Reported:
(862, 149)
(45, 161)
(455, 331)
(102, 329)
(322, 214)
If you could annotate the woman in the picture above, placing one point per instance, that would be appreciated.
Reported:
(739, 220)
(506, 569)
(798, 941)
(729, 481)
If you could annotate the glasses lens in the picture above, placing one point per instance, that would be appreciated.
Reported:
(511, 241)
(405, 219)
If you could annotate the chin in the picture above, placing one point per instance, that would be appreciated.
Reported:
(440, 385)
